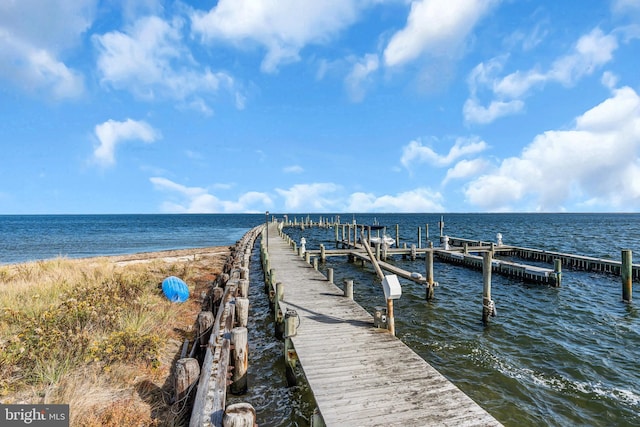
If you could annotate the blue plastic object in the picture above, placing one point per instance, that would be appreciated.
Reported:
(175, 289)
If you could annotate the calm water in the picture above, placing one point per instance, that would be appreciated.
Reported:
(33, 237)
(554, 356)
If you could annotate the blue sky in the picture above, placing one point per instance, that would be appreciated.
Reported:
(148, 106)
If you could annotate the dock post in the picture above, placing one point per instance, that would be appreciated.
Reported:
(557, 268)
(391, 323)
(626, 274)
(315, 263)
(348, 289)
(336, 228)
(205, 321)
(413, 252)
(239, 415)
(323, 254)
(270, 286)
(279, 315)
(441, 225)
(187, 373)
(243, 288)
(419, 237)
(242, 311)
(316, 419)
(430, 282)
(343, 235)
(426, 228)
(291, 322)
(397, 235)
(240, 343)
(330, 275)
(378, 251)
(266, 265)
(488, 307)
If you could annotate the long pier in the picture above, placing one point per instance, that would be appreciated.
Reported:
(359, 375)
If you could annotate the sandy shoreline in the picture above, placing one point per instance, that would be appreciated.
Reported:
(176, 255)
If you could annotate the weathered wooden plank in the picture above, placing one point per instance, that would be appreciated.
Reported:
(361, 375)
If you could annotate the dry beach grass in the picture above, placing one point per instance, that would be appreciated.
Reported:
(98, 334)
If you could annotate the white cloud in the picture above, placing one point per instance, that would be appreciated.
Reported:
(466, 169)
(418, 200)
(34, 38)
(111, 133)
(435, 27)
(623, 7)
(282, 27)
(359, 77)
(145, 58)
(597, 160)
(199, 200)
(416, 152)
(476, 113)
(317, 197)
(590, 52)
(293, 169)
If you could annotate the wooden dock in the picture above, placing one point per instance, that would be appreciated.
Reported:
(360, 375)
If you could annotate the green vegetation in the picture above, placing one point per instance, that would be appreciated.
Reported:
(70, 329)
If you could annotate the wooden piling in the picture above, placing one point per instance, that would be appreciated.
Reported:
(242, 311)
(391, 323)
(429, 270)
(487, 303)
(186, 376)
(239, 415)
(397, 235)
(348, 289)
(205, 322)
(278, 312)
(419, 237)
(557, 269)
(330, 275)
(243, 288)
(291, 323)
(625, 273)
(240, 357)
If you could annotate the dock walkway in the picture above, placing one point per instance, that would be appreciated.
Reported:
(361, 375)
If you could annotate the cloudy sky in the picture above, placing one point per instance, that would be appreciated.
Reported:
(149, 106)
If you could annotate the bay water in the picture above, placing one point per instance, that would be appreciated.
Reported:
(562, 356)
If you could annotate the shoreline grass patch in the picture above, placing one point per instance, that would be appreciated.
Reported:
(67, 324)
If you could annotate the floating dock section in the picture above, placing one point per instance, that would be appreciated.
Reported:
(525, 272)
(571, 261)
